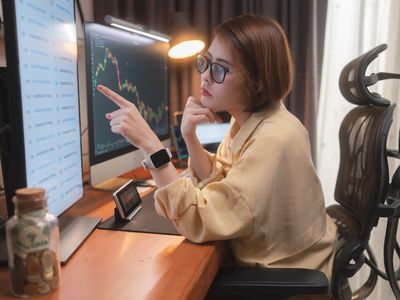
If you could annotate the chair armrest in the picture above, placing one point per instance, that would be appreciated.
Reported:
(269, 281)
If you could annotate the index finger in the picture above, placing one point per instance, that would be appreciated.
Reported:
(113, 96)
(194, 100)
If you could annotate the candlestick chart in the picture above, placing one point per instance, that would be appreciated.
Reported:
(110, 61)
(139, 74)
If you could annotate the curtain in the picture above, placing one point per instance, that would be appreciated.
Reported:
(352, 28)
(302, 20)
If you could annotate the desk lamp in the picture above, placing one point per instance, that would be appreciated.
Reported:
(136, 28)
(184, 43)
(185, 40)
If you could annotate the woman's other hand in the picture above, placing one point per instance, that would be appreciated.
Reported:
(195, 113)
(128, 122)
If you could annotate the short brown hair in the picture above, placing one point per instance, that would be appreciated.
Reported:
(260, 46)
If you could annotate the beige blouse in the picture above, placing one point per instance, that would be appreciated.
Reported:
(263, 195)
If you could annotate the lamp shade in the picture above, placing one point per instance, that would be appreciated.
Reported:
(185, 40)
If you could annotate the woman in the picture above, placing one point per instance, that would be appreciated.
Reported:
(260, 190)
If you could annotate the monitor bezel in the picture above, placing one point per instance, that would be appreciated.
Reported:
(14, 169)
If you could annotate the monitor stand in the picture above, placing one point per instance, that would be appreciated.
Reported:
(73, 232)
(112, 184)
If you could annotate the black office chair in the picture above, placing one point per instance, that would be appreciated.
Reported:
(361, 193)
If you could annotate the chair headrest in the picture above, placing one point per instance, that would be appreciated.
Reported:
(353, 82)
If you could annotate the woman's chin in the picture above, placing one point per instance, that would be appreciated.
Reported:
(206, 102)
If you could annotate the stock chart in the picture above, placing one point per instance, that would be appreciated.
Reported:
(136, 68)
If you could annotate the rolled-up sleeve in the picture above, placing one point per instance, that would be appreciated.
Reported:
(225, 205)
(216, 212)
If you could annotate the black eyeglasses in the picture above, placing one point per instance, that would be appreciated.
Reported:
(218, 72)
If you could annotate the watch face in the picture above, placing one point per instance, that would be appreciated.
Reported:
(160, 158)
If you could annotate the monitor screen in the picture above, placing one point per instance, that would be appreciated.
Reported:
(134, 66)
(211, 133)
(41, 109)
(42, 86)
(179, 143)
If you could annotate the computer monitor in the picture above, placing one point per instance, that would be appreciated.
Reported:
(134, 66)
(41, 109)
(179, 143)
(211, 133)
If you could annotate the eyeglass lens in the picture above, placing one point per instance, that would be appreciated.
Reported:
(218, 72)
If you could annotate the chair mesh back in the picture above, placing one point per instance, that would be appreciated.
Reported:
(363, 173)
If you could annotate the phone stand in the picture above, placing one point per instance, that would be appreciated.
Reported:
(117, 217)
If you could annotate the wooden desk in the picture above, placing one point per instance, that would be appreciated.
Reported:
(129, 265)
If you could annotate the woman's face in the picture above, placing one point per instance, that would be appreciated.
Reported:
(228, 95)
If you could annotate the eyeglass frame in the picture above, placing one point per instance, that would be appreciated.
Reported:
(210, 65)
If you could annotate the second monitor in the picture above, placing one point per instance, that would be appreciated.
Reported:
(210, 135)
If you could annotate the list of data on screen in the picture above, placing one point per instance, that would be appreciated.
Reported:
(47, 49)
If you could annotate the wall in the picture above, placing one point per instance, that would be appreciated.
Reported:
(87, 8)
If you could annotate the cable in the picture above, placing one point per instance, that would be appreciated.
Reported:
(3, 144)
(4, 129)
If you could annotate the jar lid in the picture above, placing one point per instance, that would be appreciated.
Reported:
(30, 198)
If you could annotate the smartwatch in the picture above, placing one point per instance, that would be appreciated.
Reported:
(157, 159)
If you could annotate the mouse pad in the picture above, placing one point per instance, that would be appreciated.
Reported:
(146, 220)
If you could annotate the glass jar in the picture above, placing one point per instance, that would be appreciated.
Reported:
(32, 244)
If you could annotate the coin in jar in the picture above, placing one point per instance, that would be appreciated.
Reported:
(47, 275)
(55, 280)
(33, 266)
(31, 289)
(47, 259)
(43, 287)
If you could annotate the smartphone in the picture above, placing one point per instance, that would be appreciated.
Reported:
(127, 200)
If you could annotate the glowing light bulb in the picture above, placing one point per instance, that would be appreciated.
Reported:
(186, 49)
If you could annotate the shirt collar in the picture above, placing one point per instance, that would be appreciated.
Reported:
(249, 126)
